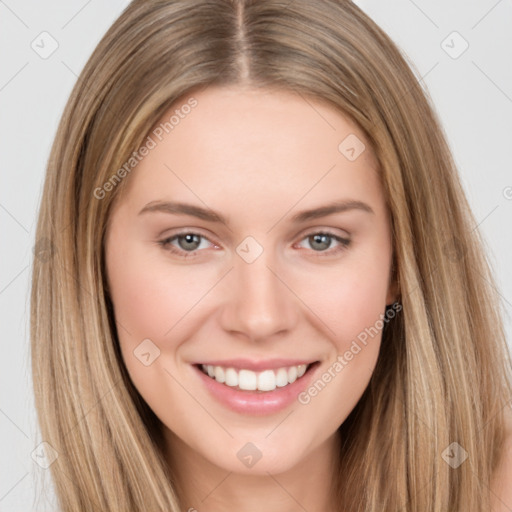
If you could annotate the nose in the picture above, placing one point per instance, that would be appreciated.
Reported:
(260, 303)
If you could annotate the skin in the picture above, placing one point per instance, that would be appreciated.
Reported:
(258, 158)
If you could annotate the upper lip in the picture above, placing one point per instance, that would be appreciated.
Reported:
(248, 364)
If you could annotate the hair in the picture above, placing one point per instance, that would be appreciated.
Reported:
(443, 372)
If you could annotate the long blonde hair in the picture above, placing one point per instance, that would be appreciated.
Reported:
(443, 373)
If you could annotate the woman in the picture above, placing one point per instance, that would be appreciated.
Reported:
(266, 288)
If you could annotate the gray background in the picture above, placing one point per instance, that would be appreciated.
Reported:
(471, 90)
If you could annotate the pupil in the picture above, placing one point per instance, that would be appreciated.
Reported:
(323, 240)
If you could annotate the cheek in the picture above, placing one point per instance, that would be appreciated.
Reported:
(153, 296)
(351, 309)
(154, 300)
(351, 299)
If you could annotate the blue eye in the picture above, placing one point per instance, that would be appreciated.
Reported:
(322, 241)
(189, 243)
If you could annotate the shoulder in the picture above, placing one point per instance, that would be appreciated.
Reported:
(501, 486)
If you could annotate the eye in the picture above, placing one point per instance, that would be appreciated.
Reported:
(323, 240)
(187, 244)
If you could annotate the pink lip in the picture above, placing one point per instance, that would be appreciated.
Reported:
(257, 402)
(256, 366)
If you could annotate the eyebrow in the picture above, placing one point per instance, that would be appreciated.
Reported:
(177, 208)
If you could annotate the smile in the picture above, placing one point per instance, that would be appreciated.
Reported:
(248, 380)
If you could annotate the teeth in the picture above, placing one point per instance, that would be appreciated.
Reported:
(281, 377)
(231, 377)
(267, 381)
(220, 374)
(248, 380)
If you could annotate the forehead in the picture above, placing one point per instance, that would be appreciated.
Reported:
(254, 148)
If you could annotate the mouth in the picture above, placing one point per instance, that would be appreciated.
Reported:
(256, 388)
(264, 381)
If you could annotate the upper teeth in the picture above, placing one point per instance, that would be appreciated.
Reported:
(266, 380)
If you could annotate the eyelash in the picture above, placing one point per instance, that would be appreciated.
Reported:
(166, 244)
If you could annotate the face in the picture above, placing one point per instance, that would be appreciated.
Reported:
(222, 253)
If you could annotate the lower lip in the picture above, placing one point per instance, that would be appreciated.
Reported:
(254, 402)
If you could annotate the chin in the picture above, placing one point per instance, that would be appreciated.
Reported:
(259, 456)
